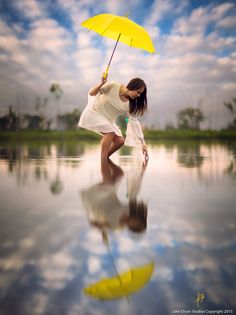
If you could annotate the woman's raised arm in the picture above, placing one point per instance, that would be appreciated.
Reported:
(95, 89)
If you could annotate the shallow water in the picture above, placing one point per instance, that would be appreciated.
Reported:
(65, 224)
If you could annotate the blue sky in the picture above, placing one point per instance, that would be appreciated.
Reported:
(194, 65)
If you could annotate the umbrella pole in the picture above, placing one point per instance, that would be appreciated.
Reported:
(107, 69)
(114, 266)
(113, 262)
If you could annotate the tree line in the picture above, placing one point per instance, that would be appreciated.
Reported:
(39, 120)
(187, 118)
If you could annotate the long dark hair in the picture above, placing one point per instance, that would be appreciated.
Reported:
(137, 216)
(138, 105)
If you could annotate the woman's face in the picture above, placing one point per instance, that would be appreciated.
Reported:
(136, 93)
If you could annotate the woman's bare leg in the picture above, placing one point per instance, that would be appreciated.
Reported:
(106, 143)
(116, 144)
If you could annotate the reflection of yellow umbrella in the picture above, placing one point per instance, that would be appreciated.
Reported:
(121, 29)
(122, 285)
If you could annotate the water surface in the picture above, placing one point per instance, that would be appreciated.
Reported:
(66, 223)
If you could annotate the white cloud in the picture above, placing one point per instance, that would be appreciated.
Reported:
(4, 28)
(195, 23)
(161, 8)
(57, 39)
(78, 11)
(183, 44)
(200, 18)
(220, 10)
(29, 8)
(227, 22)
(9, 43)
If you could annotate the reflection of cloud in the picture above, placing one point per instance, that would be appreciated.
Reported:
(56, 269)
(13, 262)
(196, 244)
(26, 243)
(125, 244)
(93, 242)
(94, 264)
(39, 303)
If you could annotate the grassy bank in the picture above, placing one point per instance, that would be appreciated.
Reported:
(190, 134)
(49, 135)
(91, 136)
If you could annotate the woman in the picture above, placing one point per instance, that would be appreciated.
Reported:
(108, 100)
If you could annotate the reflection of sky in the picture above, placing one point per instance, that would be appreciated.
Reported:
(49, 252)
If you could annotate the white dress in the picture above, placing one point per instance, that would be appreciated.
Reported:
(102, 110)
(102, 203)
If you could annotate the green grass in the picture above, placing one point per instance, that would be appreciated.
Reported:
(82, 134)
(48, 135)
(189, 134)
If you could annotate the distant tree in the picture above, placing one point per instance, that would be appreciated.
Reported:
(169, 126)
(57, 91)
(190, 118)
(34, 121)
(231, 106)
(40, 107)
(70, 120)
(11, 121)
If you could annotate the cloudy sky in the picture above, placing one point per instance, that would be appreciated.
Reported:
(194, 65)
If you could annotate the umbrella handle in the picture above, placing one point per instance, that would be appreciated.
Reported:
(105, 74)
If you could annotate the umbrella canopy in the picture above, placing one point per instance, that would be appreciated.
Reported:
(121, 285)
(112, 26)
(122, 29)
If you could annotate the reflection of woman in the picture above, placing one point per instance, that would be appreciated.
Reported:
(105, 210)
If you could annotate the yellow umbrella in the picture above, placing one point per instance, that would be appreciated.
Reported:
(121, 29)
(121, 285)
